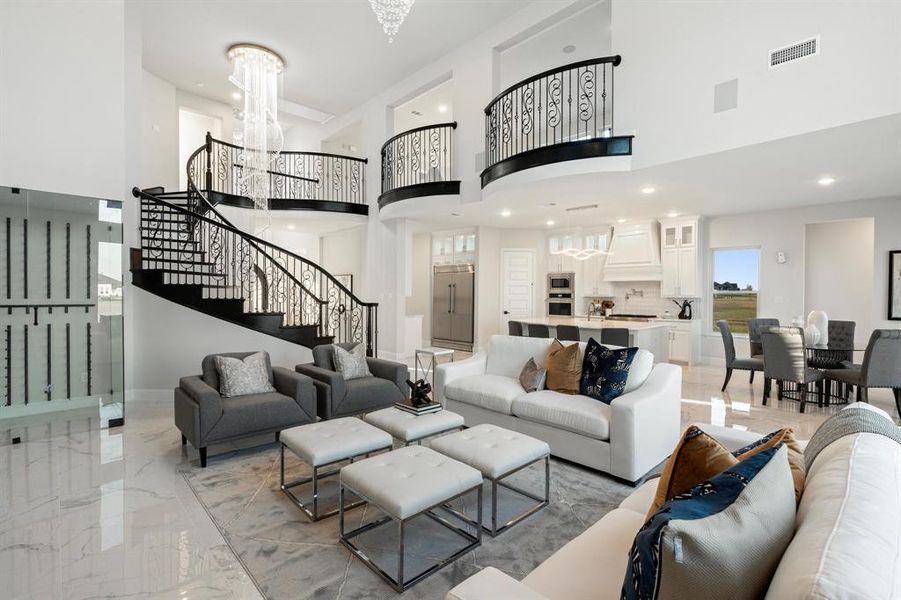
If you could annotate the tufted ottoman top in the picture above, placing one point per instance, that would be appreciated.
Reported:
(405, 482)
(325, 442)
(493, 450)
(405, 426)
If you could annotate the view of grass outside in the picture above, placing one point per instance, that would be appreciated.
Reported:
(735, 287)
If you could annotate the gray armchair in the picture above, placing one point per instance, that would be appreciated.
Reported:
(881, 366)
(337, 397)
(205, 417)
(745, 364)
(785, 360)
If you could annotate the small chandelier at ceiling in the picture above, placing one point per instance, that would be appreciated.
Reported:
(391, 14)
(581, 247)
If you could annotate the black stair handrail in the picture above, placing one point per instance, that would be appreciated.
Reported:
(405, 155)
(295, 175)
(573, 102)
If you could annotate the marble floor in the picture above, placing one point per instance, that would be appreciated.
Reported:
(87, 512)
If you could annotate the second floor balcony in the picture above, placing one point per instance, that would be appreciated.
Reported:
(419, 162)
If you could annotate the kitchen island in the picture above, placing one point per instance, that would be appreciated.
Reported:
(653, 335)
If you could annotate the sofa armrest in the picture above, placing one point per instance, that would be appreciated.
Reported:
(492, 584)
(645, 423)
(447, 372)
(394, 372)
(208, 401)
(298, 387)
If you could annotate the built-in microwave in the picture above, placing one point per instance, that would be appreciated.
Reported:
(561, 282)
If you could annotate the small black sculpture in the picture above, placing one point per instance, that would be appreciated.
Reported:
(419, 392)
(685, 313)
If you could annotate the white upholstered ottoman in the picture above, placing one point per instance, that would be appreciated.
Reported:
(410, 428)
(498, 453)
(324, 444)
(404, 484)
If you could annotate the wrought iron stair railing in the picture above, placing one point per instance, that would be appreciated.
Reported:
(561, 114)
(419, 162)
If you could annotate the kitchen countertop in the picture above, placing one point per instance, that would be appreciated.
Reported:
(595, 323)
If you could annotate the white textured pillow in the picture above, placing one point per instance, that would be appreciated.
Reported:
(242, 377)
(351, 364)
(639, 370)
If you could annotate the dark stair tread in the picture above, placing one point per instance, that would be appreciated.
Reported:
(180, 261)
(187, 272)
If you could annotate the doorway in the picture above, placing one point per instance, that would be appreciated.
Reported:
(192, 129)
(517, 285)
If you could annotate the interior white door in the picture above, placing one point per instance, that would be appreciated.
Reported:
(517, 286)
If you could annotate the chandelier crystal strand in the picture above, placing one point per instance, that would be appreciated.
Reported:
(391, 14)
(256, 73)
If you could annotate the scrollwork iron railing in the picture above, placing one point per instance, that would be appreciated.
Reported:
(217, 167)
(567, 104)
(419, 156)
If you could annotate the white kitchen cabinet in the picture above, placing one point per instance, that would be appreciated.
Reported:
(450, 248)
(634, 253)
(679, 258)
(685, 341)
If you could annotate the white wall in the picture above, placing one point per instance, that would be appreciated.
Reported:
(419, 302)
(341, 253)
(305, 136)
(838, 271)
(674, 53)
(159, 134)
(782, 285)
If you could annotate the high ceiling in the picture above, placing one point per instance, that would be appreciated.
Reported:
(336, 52)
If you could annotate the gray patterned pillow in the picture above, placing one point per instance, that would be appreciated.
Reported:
(242, 377)
(351, 364)
(532, 377)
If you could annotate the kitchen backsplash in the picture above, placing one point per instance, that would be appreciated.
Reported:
(650, 302)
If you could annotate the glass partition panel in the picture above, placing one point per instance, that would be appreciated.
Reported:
(60, 304)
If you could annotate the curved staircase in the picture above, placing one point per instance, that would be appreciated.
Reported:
(192, 255)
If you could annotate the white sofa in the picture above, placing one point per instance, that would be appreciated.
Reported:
(847, 541)
(626, 438)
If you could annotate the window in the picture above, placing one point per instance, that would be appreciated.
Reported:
(735, 287)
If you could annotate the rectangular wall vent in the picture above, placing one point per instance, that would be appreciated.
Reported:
(796, 51)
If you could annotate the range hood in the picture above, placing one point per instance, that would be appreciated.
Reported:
(634, 253)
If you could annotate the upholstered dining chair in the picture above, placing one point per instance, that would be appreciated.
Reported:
(538, 331)
(568, 333)
(514, 328)
(785, 360)
(744, 364)
(755, 327)
(881, 367)
(615, 336)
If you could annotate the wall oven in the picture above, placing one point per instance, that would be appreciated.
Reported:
(561, 283)
(560, 304)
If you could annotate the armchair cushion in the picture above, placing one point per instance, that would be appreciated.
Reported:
(394, 372)
(324, 355)
(365, 394)
(244, 415)
(211, 373)
(351, 364)
(240, 377)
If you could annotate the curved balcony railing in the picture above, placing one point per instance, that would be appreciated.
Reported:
(297, 180)
(561, 114)
(419, 162)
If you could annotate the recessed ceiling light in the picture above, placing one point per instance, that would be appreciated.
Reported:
(550, 223)
(672, 215)
(236, 95)
(620, 221)
(291, 227)
(569, 49)
(826, 181)
(505, 213)
(198, 83)
(442, 108)
(647, 190)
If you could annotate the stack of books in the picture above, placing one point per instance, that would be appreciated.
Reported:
(418, 410)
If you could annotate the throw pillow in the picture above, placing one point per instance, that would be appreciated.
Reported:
(531, 378)
(564, 368)
(351, 364)
(697, 458)
(723, 538)
(242, 377)
(795, 455)
(605, 371)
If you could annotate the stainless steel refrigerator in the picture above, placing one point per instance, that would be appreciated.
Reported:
(453, 306)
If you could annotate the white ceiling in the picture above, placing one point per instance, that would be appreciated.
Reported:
(863, 158)
(336, 52)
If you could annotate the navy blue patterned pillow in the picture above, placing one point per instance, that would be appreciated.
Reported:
(605, 371)
(667, 537)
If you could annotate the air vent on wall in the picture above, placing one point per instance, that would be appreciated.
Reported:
(796, 51)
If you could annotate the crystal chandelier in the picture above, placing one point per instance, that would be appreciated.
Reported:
(581, 247)
(391, 14)
(256, 71)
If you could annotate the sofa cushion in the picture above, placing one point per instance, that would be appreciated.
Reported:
(642, 365)
(605, 371)
(795, 454)
(847, 541)
(532, 377)
(494, 392)
(721, 539)
(507, 354)
(579, 414)
(592, 564)
(564, 367)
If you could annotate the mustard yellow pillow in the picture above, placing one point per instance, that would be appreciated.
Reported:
(564, 368)
(697, 458)
(795, 455)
